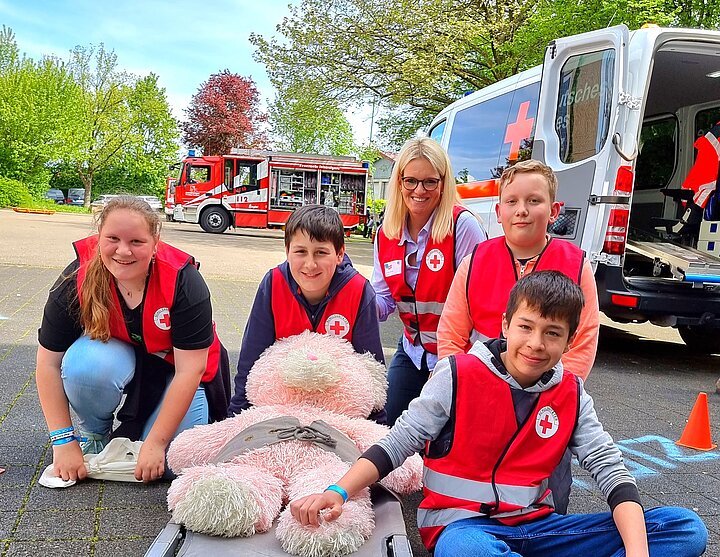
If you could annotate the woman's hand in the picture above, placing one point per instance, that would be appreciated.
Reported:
(151, 462)
(306, 510)
(68, 462)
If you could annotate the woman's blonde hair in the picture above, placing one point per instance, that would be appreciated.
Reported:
(96, 290)
(396, 211)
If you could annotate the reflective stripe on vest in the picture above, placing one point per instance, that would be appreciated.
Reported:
(481, 492)
(420, 309)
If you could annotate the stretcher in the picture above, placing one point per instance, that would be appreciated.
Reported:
(389, 539)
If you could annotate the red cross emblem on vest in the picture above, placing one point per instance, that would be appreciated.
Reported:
(435, 259)
(162, 319)
(546, 422)
(337, 325)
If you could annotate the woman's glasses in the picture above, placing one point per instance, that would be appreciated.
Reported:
(429, 183)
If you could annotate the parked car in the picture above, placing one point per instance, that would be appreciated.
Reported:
(76, 196)
(153, 201)
(100, 202)
(56, 195)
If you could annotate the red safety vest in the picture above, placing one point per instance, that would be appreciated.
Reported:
(158, 300)
(703, 175)
(492, 275)
(338, 317)
(491, 466)
(420, 309)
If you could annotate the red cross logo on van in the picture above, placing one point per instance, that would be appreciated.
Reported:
(546, 422)
(520, 129)
(162, 319)
(435, 259)
(337, 325)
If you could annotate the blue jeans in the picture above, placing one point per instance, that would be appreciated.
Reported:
(671, 531)
(94, 375)
(405, 382)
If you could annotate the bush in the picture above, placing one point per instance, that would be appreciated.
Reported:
(14, 193)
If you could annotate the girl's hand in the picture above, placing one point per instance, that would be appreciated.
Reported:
(151, 462)
(306, 510)
(68, 462)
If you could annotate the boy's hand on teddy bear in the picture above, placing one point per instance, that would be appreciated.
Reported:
(308, 510)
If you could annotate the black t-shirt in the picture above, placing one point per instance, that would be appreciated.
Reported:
(190, 316)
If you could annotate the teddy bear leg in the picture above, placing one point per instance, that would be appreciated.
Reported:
(339, 537)
(228, 500)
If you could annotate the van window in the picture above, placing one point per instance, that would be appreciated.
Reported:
(437, 132)
(582, 119)
(706, 119)
(487, 137)
(657, 159)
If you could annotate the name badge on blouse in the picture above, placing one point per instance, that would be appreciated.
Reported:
(393, 268)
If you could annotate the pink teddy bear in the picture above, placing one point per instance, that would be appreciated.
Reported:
(311, 394)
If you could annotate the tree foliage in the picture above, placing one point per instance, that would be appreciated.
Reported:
(225, 113)
(304, 120)
(67, 123)
(418, 56)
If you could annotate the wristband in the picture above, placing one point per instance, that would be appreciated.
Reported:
(64, 440)
(61, 432)
(338, 489)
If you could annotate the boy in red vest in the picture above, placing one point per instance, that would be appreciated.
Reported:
(494, 424)
(316, 289)
(482, 283)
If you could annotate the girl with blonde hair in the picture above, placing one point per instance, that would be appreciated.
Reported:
(424, 236)
(130, 316)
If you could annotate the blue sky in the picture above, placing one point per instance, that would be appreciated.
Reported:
(182, 42)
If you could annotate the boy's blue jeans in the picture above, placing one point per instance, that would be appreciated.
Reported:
(671, 531)
(94, 375)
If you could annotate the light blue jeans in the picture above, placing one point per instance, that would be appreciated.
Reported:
(671, 532)
(94, 375)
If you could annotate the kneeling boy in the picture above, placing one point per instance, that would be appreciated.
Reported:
(316, 289)
(496, 422)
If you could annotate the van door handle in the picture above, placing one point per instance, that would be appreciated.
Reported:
(616, 144)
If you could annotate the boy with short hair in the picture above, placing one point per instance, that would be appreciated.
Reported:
(496, 421)
(316, 289)
(482, 283)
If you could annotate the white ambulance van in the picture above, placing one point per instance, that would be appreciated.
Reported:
(615, 114)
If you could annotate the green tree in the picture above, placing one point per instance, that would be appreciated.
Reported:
(304, 120)
(126, 129)
(417, 56)
(38, 114)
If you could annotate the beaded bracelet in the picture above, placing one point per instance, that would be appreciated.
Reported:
(338, 489)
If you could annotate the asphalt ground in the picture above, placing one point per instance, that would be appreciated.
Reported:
(645, 383)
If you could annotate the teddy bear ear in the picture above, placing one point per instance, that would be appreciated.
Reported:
(378, 375)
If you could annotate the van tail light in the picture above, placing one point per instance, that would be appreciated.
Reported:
(624, 181)
(616, 232)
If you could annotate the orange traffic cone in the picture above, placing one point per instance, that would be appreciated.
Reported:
(697, 431)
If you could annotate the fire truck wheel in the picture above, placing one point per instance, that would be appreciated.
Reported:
(214, 220)
(701, 339)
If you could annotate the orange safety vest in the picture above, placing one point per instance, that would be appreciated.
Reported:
(492, 274)
(158, 300)
(703, 176)
(484, 463)
(420, 309)
(338, 317)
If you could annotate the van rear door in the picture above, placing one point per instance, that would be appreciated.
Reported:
(580, 113)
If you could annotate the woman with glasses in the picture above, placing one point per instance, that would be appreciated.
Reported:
(424, 236)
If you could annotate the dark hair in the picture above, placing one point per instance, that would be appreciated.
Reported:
(321, 223)
(551, 293)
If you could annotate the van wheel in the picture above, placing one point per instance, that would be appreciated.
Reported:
(701, 339)
(214, 220)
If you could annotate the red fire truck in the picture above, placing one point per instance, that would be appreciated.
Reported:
(261, 189)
